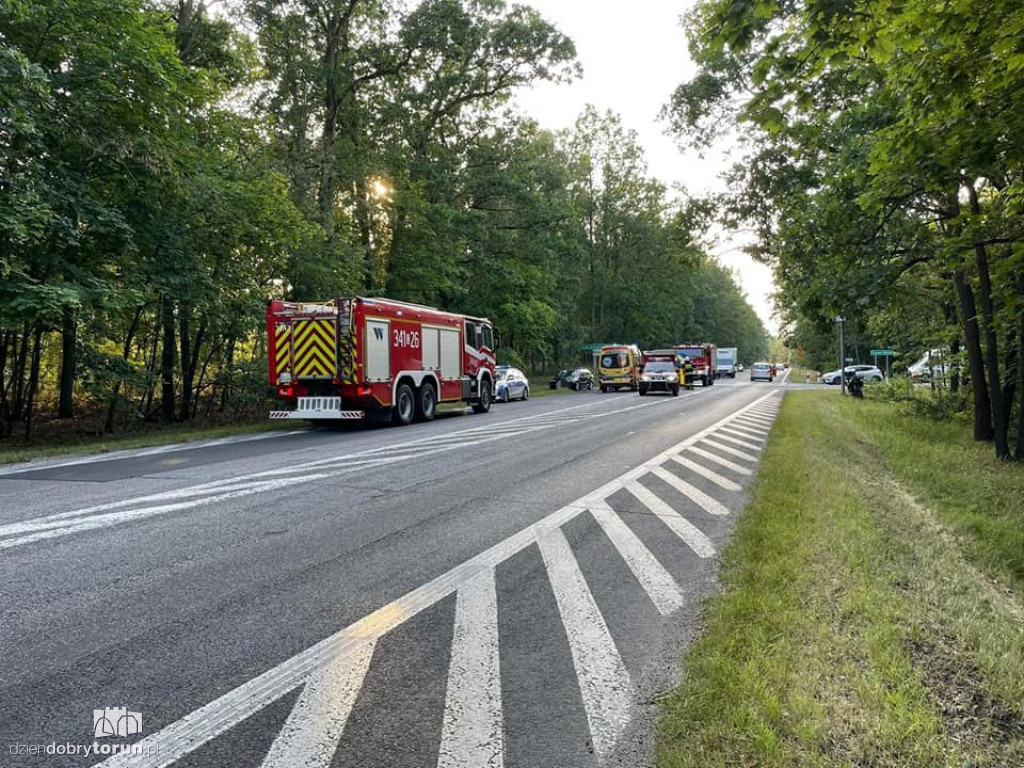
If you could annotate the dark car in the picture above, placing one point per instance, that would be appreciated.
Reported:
(578, 378)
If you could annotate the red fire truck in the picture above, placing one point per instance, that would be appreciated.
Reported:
(348, 358)
(703, 359)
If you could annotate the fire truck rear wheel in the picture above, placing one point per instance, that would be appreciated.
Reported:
(405, 405)
(483, 403)
(426, 402)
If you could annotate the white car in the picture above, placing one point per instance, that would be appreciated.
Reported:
(931, 365)
(862, 372)
(512, 384)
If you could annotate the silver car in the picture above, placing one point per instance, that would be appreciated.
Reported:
(862, 372)
(761, 371)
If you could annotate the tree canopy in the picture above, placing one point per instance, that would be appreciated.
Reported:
(882, 172)
(167, 170)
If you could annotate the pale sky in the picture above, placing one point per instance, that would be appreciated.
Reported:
(633, 55)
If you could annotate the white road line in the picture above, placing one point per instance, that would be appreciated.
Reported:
(54, 526)
(737, 441)
(604, 682)
(694, 494)
(310, 735)
(740, 432)
(195, 729)
(46, 464)
(683, 528)
(471, 735)
(719, 460)
(115, 518)
(757, 421)
(744, 430)
(700, 469)
(656, 581)
(730, 451)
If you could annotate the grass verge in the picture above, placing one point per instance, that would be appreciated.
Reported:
(871, 612)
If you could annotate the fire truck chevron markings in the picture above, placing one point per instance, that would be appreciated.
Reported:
(332, 671)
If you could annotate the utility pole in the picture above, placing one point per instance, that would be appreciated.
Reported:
(842, 353)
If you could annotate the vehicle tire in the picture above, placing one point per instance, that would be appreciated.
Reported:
(574, 387)
(483, 402)
(404, 409)
(876, 378)
(604, 389)
(675, 391)
(526, 393)
(426, 402)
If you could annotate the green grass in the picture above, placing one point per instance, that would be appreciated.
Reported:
(149, 438)
(799, 375)
(871, 612)
(539, 387)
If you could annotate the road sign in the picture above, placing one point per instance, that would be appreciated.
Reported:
(849, 359)
(882, 352)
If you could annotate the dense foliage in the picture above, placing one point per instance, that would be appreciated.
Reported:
(884, 173)
(165, 171)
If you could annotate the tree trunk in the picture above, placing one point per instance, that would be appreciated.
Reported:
(187, 371)
(33, 379)
(334, 28)
(20, 387)
(1000, 416)
(146, 402)
(225, 391)
(976, 365)
(1020, 376)
(167, 360)
(190, 350)
(68, 349)
(7, 339)
(954, 379)
(126, 350)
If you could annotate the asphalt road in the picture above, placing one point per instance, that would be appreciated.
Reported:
(509, 589)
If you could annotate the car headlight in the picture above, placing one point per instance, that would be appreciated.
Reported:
(672, 378)
(645, 378)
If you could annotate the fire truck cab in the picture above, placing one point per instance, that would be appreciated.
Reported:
(349, 358)
(704, 361)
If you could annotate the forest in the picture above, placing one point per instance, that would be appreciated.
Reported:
(167, 167)
(883, 174)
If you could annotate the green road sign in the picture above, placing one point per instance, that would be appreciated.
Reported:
(882, 352)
